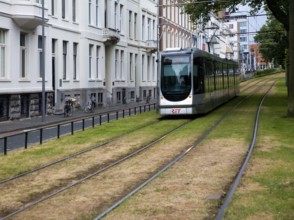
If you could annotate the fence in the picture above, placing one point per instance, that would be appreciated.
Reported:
(38, 135)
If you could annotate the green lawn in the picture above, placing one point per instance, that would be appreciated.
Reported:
(266, 190)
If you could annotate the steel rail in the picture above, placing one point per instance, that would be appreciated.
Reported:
(106, 167)
(176, 159)
(71, 156)
(245, 162)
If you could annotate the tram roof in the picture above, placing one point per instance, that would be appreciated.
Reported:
(196, 52)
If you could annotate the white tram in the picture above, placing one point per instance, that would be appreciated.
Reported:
(191, 81)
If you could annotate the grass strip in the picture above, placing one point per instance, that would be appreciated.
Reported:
(267, 188)
(21, 160)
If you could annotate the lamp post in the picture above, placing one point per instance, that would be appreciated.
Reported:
(43, 63)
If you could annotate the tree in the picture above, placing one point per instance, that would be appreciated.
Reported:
(273, 41)
(200, 10)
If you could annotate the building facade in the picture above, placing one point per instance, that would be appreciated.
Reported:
(175, 29)
(105, 49)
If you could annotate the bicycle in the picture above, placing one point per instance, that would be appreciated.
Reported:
(89, 107)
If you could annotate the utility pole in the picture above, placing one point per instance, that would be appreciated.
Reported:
(43, 64)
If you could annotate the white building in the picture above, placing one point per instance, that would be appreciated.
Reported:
(100, 48)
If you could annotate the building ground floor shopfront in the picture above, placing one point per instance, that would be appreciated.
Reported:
(27, 105)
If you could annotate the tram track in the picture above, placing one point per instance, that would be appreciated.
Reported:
(243, 166)
(68, 157)
(86, 175)
(154, 171)
(177, 158)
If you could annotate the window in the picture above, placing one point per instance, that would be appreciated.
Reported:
(90, 60)
(74, 11)
(243, 39)
(23, 55)
(116, 64)
(89, 11)
(97, 12)
(2, 53)
(148, 68)
(148, 28)
(100, 98)
(40, 48)
(53, 7)
(75, 55)
(243, 24)
(120, 17)
(143, 67)
(64, 59)
(116, 15)
(118, 97)
(121, 64)
(153, 69)
(63, 9)
(131, 67)
(97, 62)
(54, 58)
(143, 28)
(135, 26)
(243, 31)
(130, 24)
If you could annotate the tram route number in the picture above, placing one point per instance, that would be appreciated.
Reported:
(175, 111)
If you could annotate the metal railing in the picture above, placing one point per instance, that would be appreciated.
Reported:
(38, 135)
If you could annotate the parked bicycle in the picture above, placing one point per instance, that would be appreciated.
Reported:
(89, 107)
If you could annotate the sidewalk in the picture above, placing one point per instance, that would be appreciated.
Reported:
(9, 127)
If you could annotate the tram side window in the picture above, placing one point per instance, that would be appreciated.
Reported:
(225, 75)
(198, 75)
(209, 76)
(218, 76)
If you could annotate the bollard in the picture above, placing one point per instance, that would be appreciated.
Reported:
(100, 119)
(93, 121)
(72, 128)
(41, 135)
(58, 131)
(26, 140)
(83, 124)
(5, 145)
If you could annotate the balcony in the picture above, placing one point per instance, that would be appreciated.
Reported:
(151, 46)
(27, 14)
(110, 36)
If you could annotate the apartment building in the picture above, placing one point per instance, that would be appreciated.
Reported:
(104, 49)
(175, 28)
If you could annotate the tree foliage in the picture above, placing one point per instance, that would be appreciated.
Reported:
(273, 41)
(200, 9)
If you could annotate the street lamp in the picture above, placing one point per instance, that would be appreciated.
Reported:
(43, 63)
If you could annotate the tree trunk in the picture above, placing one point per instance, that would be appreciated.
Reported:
(291, 61)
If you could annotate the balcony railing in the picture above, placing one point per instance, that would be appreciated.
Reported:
(28, 13)
(111, 36)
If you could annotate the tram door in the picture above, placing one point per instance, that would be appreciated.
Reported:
(3, 108)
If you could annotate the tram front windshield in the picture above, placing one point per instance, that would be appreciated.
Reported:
(176, 77)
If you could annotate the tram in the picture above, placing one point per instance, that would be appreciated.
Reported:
(191, 81)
